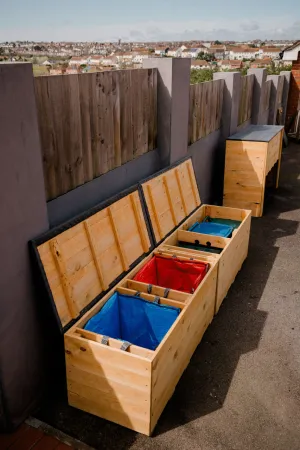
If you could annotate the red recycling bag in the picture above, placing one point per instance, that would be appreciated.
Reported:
(172, 273)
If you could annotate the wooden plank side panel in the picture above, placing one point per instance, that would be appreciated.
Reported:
(266, 95)
(85, 94)
(219, 107)
(137, 111)
(72, 131)
(126, 118)
(152, 111)
(109, 383)
(116, 119)
(231, 260)
(244, 178)
(47, 134)
(247, 83)
(175, 351)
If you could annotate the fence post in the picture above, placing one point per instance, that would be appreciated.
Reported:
(173, 88)
(23, 217)
(285, 93)
(231, 101)
(260, 77)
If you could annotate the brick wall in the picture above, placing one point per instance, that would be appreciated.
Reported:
(294, 94)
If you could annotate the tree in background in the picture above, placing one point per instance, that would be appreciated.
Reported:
(218, 43)
(205, 56)
(201, 75)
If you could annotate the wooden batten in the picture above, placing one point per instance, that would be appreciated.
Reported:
(85, 259)
(170, 197)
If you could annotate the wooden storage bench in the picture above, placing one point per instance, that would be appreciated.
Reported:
(86, 262)
(171, 196)
(250, 156)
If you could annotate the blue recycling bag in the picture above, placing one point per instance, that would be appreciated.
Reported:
(215, 229)
(134, 320)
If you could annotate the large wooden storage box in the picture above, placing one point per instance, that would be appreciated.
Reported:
(173, 205)
(81, 264)
(251, 154)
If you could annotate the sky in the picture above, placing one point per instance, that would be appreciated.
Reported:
(152, 20)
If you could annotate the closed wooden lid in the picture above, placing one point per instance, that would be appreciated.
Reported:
(256, 133)
(86, 258)
(170, 197)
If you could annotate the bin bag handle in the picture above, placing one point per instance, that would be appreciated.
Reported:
(125, 346)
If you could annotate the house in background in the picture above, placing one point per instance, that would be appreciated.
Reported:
(270, 52)
(175, 52)
(200, 64)
(190, 52)
(95, 60)
(290, 54)
(230, 64)
(77, 61)
(244, 53)
(260, 63)
(160, 51)
(140, 55)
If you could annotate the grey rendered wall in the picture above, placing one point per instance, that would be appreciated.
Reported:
(23, 217)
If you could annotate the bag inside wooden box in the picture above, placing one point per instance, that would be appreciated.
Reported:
(209, 229)
(133, 320)
(173, 273)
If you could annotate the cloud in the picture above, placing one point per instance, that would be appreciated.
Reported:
(262, 28)
(249, 26)
(136, 34)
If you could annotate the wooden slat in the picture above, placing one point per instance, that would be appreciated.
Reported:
(126, 100)
(141, 228)
(193, 182)
(165, 182)
(119, 244)
(72, 130)
(157, 290)
(114, 343)
(181, 192)
(86, 136)
(116, 119)
(104, 286)
(188, 252)
(68, 291)
(151, 298)
(247, 83)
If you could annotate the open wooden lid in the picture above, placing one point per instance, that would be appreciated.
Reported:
(170, 197)
(92, 253)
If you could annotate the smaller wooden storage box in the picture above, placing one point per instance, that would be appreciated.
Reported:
(129, 385)
(174, 205)
(250, 156)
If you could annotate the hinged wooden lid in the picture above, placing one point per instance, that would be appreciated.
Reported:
(86, 258)
(170, 197)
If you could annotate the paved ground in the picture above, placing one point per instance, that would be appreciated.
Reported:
(241, 389)
(28, 438)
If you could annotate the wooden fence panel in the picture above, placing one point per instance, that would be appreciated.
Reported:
(91, 123)
(206, 102)
(247, 83)
(266, 96)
